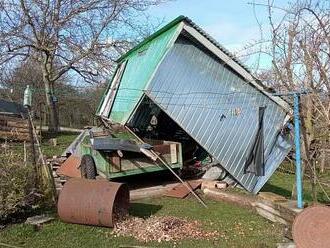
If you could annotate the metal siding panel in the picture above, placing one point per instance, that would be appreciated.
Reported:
(237, 139)
(195, 90)
(140, 67)
(278, 154)
(249, 132)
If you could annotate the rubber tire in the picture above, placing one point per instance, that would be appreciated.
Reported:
(87, 167)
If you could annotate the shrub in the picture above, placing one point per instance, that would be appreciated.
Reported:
(17, 192)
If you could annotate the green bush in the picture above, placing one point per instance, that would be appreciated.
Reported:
(17, 191)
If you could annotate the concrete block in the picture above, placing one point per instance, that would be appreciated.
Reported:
(213, 184)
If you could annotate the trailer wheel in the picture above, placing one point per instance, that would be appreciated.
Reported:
(87, 167)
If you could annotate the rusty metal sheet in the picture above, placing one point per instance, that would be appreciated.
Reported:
(311, 228)
(70, 167)
(93, 202)
(181, 191)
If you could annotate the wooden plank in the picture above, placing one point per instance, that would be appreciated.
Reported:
(270, 216)
(284, 211)
(136, 163)
(14, 129)
(8, 121)
(14, 136)
(11, 118)
(223, 195)
(270, 196)
(181, 190)
(174, 154)
(162, 149)
(115, 162)
(140, 163)
(151, 191)
(38, 221)
(101, 133)
(274, 208)
(17, 124)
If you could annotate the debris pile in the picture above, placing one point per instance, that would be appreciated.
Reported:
(162, 228)
(55, 163)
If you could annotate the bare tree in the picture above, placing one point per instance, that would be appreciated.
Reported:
(81, 38)
(77, 104)
(299, 47)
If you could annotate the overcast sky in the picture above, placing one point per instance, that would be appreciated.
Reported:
(232, 23)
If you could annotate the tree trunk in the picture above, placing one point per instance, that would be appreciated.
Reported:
(53, 125)
(53, 121)
(47, 69)
(322, 157)
(308, 137)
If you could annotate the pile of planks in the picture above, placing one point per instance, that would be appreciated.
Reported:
(55, 163)
(14, 128)
(276, 208)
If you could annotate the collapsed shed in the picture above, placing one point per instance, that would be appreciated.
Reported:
(181, 85)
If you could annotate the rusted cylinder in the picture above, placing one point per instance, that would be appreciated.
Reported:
(93, 202)
(311, 227)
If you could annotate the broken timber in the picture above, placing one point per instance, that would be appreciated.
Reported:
(171, 170)
(38, 220)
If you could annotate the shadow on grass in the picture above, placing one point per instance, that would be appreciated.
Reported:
(22, 213)
(143, 210)
(277, 190)
(307, 194)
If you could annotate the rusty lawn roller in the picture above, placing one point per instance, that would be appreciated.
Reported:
(311, 228)
(93, 202)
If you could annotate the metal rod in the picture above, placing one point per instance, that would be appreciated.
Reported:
(171, 170)
(298, 155)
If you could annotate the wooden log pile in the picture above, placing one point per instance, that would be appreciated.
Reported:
(14, 128)
(276, 208)
(229, 196)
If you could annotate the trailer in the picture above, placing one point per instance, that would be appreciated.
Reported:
(118, 153)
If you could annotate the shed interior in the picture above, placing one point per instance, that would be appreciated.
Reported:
(149, 122)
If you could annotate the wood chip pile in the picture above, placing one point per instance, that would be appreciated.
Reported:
(162, 228)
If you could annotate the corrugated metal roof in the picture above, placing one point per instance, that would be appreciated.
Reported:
(194, 25)
(218, 109)
(153, 36)
(217, 44)
(142, 66)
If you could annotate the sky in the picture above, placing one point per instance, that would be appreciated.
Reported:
(232, 23)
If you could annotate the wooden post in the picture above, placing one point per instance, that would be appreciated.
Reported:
(33, 150)
(25, 156)
(40, 124)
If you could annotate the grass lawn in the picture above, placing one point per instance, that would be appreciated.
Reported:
(63, 141)
(239, 227)
(282, 183)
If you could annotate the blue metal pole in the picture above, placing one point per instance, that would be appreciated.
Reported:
(298, 156)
